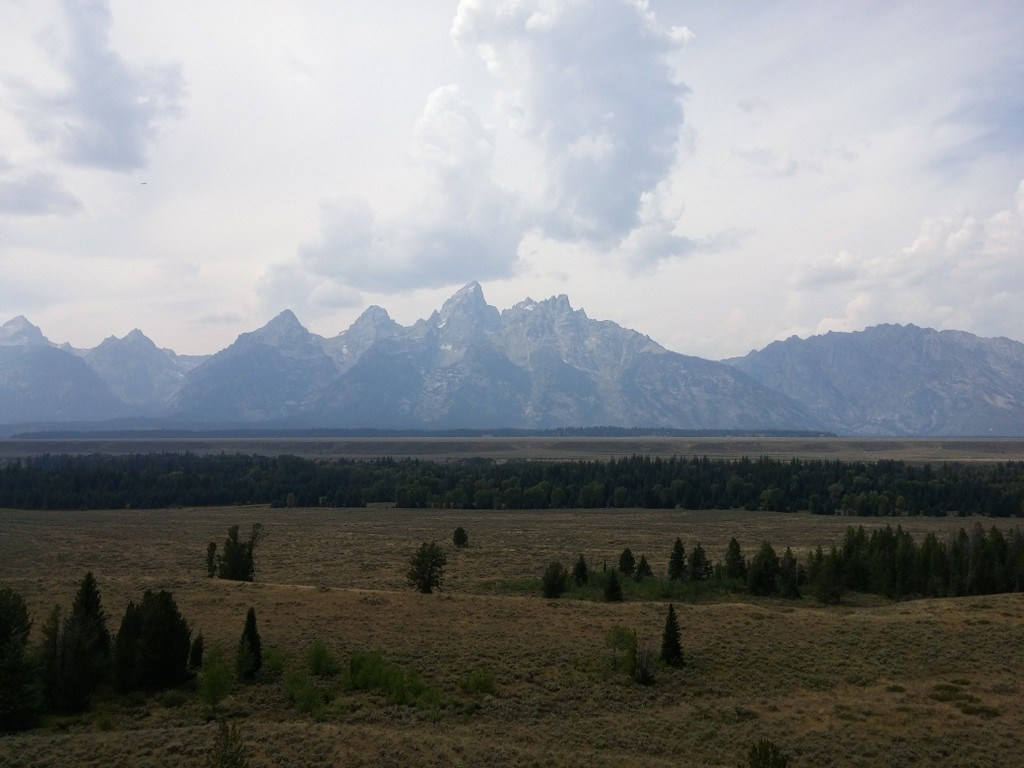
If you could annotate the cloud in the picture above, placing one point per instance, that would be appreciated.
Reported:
(594, 89)
(108, 113)
(33, 194)
(960, 271)
(461, 226)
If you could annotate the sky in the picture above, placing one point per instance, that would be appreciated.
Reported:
(714, 175)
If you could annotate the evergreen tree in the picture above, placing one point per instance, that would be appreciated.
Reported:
(426, 568)
(671, 646)
(70, 661)
(763, 575)
(735, 563)
(677, 562)
(580, 572)
(612, 588)
(126, 649)
(88, 610)
(460, 538)
(699, 567)
(211, 559)
(237, 562)
(195, 652)
(643, 568)
(20, 697)
(789, 575)
(627, 565)
(249, 658)
(554, 580)
(152, 646)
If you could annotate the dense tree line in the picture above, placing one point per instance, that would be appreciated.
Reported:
(823, 487)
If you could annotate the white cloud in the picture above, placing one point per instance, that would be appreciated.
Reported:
(107, 113)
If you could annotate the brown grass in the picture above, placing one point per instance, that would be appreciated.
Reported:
(932, 682)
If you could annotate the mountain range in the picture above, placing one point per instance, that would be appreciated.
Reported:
(536, 365)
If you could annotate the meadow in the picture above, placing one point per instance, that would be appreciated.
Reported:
(866, 683)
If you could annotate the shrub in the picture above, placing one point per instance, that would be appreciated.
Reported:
(426, 568)
(320, 661)
(643, 665)
(228, 750)
(460, 538)
(554, 580)
(214, 680)
(766, 754)
(480, 680)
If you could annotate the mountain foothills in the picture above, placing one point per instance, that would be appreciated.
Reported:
(537, 365)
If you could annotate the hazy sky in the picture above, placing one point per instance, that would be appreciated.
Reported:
(715, 175)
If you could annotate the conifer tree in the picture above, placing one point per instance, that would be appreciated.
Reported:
(627, 564)
(460, 538)
(71, 663)
(612, 588)
(20, 699)
(249, 658)
(699, 567)
(580, 572)
(426, 567)
(643, 568)
(762, 577)
(677, 562)
(553, 580)
(671, 646)
(88, 609)
(735, 563)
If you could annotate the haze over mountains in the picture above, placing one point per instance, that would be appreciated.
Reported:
(536, 365)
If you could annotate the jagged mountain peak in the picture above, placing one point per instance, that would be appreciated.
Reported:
(465, 316)
(18, 331)
(283, 329)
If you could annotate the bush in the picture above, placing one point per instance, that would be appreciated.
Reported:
(215, 680)
(554, 580)
(228, 750)
(460, 538)
(426, 568)
(321, 662)
(480, 680)
(766, 754)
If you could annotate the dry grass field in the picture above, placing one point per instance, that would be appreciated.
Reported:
(868, 683)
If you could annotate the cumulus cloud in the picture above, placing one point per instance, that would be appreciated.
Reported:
(462, 225)
(960, 271)
(595, 90)
(107, 114)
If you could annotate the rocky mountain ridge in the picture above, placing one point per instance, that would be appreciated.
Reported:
(536, 365)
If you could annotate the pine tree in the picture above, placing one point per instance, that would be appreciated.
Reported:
(762, 578)
(20, 699)
(612, 588)
(426, 567)
(789, 575)
(249, 658)
(152, 646)
(237, 562)
(627, 565)
(671, 647)
(677, 562)
(70, 661)
(195, 652)
(460, 538)
(88, 609)
(735, 563)
(580, 572)
(643, 568)
(699, 567)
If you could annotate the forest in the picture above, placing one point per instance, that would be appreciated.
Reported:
(827, 487)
